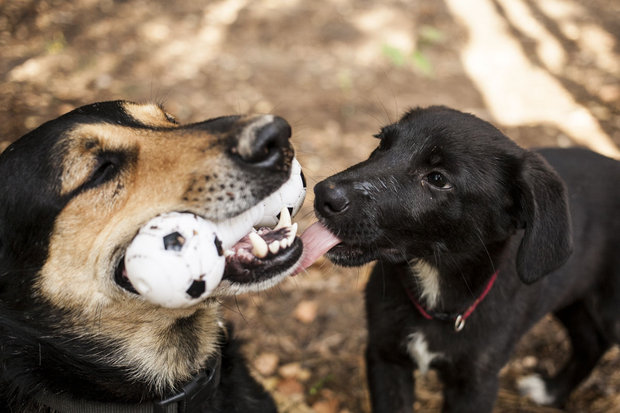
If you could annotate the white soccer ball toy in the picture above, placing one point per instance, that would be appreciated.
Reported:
(290, 195)
(176, 260)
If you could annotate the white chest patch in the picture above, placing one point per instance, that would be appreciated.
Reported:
(418, 350)
(428, 279)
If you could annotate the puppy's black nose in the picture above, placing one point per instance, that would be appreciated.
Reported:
(262, 142)
(330, 198)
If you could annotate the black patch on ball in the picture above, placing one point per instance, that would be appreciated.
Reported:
(218, 246)
(174, 242)
(196, 289)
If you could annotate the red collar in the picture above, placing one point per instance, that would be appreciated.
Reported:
(459, 319)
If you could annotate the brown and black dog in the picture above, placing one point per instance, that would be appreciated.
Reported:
(74, 334)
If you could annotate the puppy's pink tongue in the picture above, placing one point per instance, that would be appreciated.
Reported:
(317, 241)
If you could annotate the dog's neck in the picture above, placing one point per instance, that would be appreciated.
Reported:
(453, 282)
(191, 398)
(152, 359)
(167, 349)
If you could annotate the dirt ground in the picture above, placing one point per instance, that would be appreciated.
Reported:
(337, 70)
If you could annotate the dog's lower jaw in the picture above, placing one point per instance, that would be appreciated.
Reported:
(230, 287)
(261, 274)
(351, 255)
(347, 256)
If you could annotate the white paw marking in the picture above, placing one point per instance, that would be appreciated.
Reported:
(418, 350)
(534, 387)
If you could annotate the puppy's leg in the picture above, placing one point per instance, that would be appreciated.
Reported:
(389, 367)
(469, 390)
(608, 306)
(390, 384)
(588, 345)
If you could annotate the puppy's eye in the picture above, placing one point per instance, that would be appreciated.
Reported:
(438, 180)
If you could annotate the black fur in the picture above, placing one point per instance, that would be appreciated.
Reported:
(39, 350)
(448, 189)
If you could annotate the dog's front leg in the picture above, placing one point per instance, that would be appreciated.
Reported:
(390, 383)
(467, 390)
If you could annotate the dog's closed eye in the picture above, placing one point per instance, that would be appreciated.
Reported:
(104, 172)
(170, 118)
(109, 165)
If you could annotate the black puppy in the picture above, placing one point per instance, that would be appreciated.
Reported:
(473, 237)
(75, 336)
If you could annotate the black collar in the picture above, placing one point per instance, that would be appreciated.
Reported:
(202, 387)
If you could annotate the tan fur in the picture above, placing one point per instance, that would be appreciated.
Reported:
(149, 114)
(427, 276)
(76, 168)
(175, 171)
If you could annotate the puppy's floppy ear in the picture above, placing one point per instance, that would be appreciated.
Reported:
(547, 240)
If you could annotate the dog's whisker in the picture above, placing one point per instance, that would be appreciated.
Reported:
(486, 250)
(239, 311)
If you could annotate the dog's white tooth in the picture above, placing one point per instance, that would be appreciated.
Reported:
(229, 253)
(292, 233)
(274, 247)
(285, 219)
(259, 246)
(284, 243)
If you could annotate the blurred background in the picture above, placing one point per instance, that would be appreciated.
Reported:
(546, 72)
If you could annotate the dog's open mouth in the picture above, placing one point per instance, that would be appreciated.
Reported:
(261, 253)
(253, 256)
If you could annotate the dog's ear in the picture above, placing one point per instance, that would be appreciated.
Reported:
(544, 215)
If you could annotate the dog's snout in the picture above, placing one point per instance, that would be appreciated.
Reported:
(264, 140)
(330, 198)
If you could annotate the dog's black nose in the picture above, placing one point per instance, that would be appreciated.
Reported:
(330, 198)
(263, 141)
